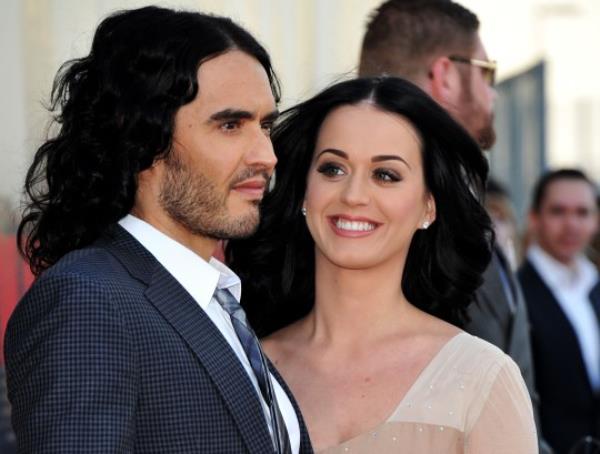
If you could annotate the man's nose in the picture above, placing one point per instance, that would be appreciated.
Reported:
(261, 153)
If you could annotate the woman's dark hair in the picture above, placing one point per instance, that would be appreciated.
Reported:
(115, 110)
(444, 263)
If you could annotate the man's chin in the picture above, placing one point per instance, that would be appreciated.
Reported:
(239, 228)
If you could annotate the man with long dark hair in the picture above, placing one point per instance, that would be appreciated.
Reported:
(436, 45)
(132, 338)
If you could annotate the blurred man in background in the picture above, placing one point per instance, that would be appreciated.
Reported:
(436, 45)
(562, 291)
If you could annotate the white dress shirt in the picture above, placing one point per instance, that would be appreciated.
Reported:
(200, 279)
(571, 286)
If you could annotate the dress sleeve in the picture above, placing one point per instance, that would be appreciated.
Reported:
(505, 424)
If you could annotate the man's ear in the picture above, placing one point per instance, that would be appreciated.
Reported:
(532, 224)
(444, 81)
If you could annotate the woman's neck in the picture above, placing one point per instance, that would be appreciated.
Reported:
(351, 304)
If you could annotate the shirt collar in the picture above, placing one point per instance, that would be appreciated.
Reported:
(581, 274)
(199, 277)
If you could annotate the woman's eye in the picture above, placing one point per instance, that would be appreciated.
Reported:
(386, 175)
(330, 170)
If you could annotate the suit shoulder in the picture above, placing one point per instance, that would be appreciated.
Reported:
(80, 281)
(93, 263)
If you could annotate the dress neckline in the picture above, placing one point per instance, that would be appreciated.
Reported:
(431, 365)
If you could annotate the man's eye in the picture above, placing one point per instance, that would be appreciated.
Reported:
(267, 127)
(330, 170)
(230, 125)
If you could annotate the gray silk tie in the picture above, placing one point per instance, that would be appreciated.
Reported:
(258, 363)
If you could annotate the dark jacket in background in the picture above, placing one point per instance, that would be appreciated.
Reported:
(499, 316)
(569, 408)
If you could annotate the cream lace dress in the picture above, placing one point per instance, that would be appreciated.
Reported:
(470, 398)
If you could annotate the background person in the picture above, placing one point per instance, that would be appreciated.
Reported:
(562, 291)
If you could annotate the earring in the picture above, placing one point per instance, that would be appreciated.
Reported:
(425, 225)
(303, 210)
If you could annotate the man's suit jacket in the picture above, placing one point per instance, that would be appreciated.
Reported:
(108, 353)
(504, 323)
(569, 408)
(7, 442)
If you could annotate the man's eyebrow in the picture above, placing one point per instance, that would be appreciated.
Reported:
(231, 114)
(239, 114)
(334, 151)
(389, 157)
(271, 116)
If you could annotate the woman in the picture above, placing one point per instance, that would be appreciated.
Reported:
(371, 246)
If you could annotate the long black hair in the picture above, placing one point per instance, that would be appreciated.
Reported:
(444, 263)
(115, 109)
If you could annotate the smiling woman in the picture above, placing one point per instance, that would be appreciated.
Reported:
(345, 136)
(369, 249)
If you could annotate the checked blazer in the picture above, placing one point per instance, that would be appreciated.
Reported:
(107, 353)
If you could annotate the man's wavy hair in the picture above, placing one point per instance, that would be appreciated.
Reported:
(445, 262)
(115, 110)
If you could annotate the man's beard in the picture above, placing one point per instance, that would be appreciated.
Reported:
(475, 119)
(486, 136)
(195, 202)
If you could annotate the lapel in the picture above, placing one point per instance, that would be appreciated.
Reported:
(197, 330)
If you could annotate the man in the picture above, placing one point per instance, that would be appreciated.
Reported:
(132, 339)
(436, 45)
(562, 291)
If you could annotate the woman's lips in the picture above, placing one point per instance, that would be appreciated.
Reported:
(352, 226)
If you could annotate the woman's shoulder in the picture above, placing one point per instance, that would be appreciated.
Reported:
(473, 350)
(477, 358)
(453, 390)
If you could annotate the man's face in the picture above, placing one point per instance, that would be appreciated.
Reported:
(566, 220)
(476, 100)
(222, 157)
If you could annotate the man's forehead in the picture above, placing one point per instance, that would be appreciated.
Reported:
(479, 51)
(234, 80)
(569, 192)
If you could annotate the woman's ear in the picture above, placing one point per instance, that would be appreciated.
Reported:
(430, 211)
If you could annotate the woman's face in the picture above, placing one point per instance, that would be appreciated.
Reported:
(366, 194)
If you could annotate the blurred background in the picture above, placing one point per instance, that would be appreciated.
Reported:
(549, 90)
(547, 112)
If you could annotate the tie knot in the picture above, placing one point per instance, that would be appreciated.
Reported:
(227, 301)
